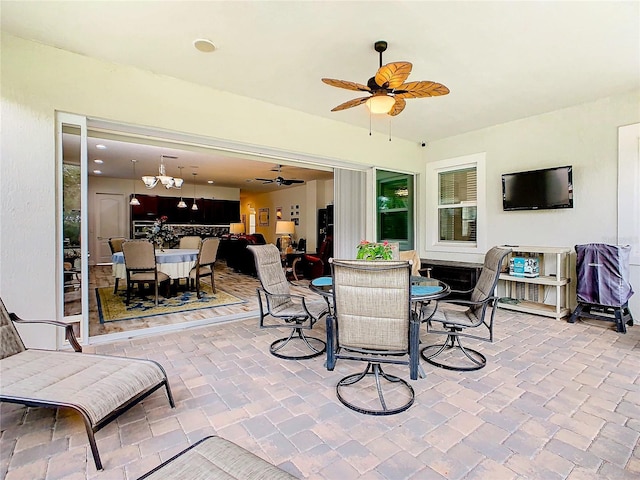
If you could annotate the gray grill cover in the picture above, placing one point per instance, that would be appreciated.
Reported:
(603, 274)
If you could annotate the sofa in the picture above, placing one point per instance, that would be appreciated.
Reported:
(235, 252)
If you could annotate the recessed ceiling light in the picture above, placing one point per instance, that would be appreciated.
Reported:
(204, 45)
(98, 161)
(209, 181)
(98, 172)
(101, 147)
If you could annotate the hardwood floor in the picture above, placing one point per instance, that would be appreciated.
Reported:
(238, 284)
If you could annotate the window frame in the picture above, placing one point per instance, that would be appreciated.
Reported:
(434, 169)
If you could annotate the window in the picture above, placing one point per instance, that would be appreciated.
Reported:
(456, 204)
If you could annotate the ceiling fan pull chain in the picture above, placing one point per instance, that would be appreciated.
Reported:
(369, 122)
(389, 128)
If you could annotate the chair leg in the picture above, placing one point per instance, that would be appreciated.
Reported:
(280, 343)
(115, 289)
(375, 370)
(451, 344)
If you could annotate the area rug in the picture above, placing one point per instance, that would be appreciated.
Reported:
(111, 307)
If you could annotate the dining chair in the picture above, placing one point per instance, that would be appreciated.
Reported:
(205, 264)
(372, 322)
(115, 244)
(292, 311)
(458, 316)
(141, 268)
(192, 242)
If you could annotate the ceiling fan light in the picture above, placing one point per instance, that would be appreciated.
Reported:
(379, 104)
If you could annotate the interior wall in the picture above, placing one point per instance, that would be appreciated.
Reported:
(38, 80)
(305, 198)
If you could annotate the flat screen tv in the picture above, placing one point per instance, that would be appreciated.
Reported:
(538, 189)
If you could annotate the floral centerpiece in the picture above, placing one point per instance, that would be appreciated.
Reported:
(374, 251)
(161, 234)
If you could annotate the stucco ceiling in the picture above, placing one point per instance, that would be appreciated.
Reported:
(501, 60)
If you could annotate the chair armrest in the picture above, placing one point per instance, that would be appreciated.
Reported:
(467, 303)
(68, 329)
(462, 292)
(425, 272)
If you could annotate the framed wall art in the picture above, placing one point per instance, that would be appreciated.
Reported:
(263, 217)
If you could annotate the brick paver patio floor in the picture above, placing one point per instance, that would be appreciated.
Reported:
(555, 401)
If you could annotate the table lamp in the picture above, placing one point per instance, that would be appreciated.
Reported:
(286, 229)
(236, 228)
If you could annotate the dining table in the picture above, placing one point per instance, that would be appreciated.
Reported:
(175, 262)
(423, 291)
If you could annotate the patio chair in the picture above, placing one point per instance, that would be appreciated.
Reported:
(205, 264)
(292, 311)
(140, 264)
(412, 255)
(457, 316)
(98, 387)
(373, 322)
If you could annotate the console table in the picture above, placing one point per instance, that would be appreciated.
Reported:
(458, 275)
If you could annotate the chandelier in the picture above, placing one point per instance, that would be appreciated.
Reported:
(166, 180)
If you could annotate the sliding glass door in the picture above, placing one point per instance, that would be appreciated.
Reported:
(395, 208)
(72, 223)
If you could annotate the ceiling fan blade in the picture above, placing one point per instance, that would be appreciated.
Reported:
(265, 180)
(291, 181)
(392, 75)
(420, 90)
(351, 103)
(398, 107)
(345, 84)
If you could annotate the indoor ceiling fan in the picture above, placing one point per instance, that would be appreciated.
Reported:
(387, 88)
(279, 180)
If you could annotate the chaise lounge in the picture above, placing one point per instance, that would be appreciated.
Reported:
(98, 387)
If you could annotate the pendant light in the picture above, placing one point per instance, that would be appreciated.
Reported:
(134, 201)
(194, 207)
(181, 203)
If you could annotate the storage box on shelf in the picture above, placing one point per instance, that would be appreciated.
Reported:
(524, 291)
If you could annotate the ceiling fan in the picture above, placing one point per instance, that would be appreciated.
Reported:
(280, 181)
(387, 88)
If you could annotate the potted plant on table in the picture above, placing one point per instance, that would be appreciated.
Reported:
(374, 251)
(161, 234)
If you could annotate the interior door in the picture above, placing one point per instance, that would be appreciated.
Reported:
(110, 222)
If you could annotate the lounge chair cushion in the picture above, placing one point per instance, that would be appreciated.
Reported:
(97, 384)
(215, 458)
